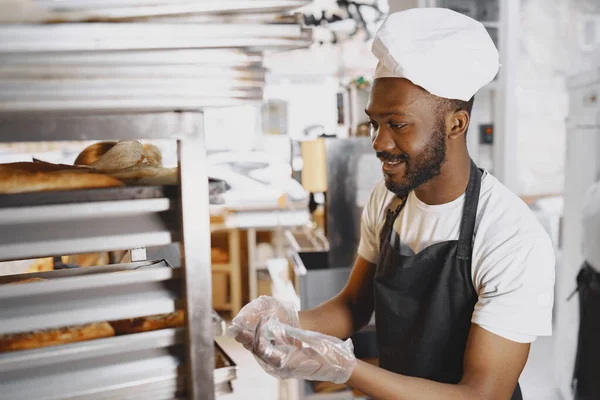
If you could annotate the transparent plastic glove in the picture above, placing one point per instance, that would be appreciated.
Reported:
(289, 352)
(243, 326)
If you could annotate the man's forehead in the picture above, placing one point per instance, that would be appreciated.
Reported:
(396, 96)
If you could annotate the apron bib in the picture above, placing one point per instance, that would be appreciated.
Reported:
(424, 302)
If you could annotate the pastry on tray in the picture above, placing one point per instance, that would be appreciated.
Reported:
(16, 181)
(151, 323)
(55, 336)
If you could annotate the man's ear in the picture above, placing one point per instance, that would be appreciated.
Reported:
(457, 123)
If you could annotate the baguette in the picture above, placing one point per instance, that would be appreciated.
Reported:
(19, 181)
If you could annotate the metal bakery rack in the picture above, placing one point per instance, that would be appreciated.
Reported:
(116, 70)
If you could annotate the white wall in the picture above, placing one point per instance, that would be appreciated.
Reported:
(309, 80)
(552, 48)
(232, 128)
(310, 100)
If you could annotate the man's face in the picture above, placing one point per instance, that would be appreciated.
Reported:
(407, 133)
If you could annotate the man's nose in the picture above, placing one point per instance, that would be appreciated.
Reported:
(382, 140)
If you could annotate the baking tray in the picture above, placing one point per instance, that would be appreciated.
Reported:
(216, 187)
(109, 279)
(225, 375)
(84, 295)
(87, 195)
(147, 365)
(93, 10)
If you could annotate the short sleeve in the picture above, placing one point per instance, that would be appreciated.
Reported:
(368, 246)
(515, 282)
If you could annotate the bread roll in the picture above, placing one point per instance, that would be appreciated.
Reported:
(93, 152)
(147, 175)
(124, 154)
(153, 155)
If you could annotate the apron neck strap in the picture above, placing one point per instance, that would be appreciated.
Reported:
(469, 215)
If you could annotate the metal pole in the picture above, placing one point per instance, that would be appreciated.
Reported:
(196, 263)
(252, 269)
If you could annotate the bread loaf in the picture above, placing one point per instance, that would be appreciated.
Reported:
(151, 323)
(20, 181)
(53, 337)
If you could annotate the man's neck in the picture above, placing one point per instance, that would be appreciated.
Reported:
(449, 185)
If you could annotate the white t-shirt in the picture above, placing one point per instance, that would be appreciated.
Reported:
(512, 262)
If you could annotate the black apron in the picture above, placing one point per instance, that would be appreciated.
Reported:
(424, 303)
(586, 377)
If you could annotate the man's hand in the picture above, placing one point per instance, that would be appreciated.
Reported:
(491, 371)
(243, 326)
(287, 352)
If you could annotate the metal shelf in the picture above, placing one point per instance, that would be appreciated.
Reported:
(134, 75)
(145, 36)
(85, 295)
(137, 366)
(138, 66)
(77, 10)
(86, 227)
(53, 226)
(33, 127)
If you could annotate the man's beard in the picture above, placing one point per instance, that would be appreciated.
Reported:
(420, 169)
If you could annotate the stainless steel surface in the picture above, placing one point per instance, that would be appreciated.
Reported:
(79, 296)
(297, 264)
(136, 80)
(318, 286)
(140, 36)
(252, 270)
(73, 352)
(163, 56)
(28, 127)
(138, 254)
(131, 375)
(229, 371)
(88, 233)
(306, 240)
(352, 172)
(78, 211)
(196, 284)
(140, 66)
(178, 58)
(77, 10)
(136, 366)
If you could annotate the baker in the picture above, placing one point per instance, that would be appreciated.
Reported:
(458, 271)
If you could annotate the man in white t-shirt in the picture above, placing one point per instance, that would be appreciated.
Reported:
(457, 269)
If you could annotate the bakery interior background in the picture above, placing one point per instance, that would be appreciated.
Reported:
(113, 92)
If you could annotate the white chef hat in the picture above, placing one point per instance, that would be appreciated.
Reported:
(446, 53)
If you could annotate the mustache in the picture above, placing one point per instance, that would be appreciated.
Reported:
(389, 157)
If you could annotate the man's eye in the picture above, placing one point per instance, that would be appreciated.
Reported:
(396, 126)
(373, 124)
